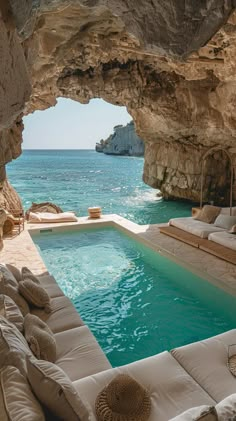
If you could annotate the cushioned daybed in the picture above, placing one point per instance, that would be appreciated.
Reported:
(195, 375)
(195, 227)
(224, 238)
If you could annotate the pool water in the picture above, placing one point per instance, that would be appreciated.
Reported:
(136, 302)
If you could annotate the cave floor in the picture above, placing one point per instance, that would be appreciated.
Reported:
(20, 249)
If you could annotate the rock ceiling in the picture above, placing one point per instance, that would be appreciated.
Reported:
(172, 64)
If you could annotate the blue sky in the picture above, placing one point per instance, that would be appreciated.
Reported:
(71, 125)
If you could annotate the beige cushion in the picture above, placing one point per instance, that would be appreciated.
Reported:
(51, 286)
(63, 315)
(225, 221)
(171, 389)
(208, 214)
(13, 292)
(13, 346)
(201, 413)
(35, 294)
(27, 274)
(40, 338)
(17, 402)
(79, 354)
(54, 390)
(206, 362)
(11, 311)
(15, 271)
(226, 409)
(7, 275)
(226, 211)
(233, 229)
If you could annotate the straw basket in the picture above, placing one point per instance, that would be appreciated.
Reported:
(94, 212)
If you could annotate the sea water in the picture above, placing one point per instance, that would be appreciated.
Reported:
(78, 179)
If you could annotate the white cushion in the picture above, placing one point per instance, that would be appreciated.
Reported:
(195, 227)
(8, 275)
(62, 317)
(55, 391)
(11, 311)
(49, 283)
(171, 389)
(206, 362)
(226, 409)
(79, 354)
(13, 346)
(224, 238)
(201, 413)
(225, 221)
(15, 271)
(226, 211)
(17, 401)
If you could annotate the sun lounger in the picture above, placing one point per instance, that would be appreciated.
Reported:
(44, 217)
(193, 226)
(224, 238)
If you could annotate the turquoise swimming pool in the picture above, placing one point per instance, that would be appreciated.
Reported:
(136, 302)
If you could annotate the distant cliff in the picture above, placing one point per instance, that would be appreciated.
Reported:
(124, 141)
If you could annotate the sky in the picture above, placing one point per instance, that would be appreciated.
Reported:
(71, 125)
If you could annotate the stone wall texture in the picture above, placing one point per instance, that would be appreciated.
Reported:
(172, 64)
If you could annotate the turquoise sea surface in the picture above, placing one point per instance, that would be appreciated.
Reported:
(136, 302)
(78, 179)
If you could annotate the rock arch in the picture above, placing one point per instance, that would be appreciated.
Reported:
(172, 64)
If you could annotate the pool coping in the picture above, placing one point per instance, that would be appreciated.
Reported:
(150, 236)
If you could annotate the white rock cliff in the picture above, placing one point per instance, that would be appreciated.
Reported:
(124, 141)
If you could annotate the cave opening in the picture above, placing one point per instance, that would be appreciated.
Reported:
(59, 163)
(72, 125)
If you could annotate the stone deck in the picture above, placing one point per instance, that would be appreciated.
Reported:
(21, 251)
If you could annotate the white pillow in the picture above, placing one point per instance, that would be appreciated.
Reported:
(226, 409)
(8, 275)
(225, 221)
(203, 412)
(226, 211)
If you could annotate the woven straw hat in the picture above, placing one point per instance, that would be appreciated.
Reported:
(123, 399)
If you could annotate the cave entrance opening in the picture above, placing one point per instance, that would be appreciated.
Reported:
(72, 125)
(217, 177)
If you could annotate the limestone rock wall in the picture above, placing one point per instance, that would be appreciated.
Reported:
(14, 82)
(124, 141)
(9, 199)
(171, 63)
(176, 170)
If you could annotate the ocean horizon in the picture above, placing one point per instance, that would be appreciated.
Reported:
(76, 179)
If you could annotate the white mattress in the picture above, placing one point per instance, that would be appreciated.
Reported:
(52, 217)
(193, 226)
(224, 238)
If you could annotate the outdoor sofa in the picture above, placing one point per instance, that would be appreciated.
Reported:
(215, 237)
(186, 377)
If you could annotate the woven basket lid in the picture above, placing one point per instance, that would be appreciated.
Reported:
(123, 399)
